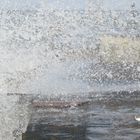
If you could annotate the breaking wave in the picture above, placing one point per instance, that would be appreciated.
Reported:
(68, 51)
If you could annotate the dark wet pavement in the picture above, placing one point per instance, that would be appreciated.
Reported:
(111, 117)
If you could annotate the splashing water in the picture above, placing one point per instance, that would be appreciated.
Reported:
(63, 51)
(68, 52)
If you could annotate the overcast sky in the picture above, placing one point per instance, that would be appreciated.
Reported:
(22, 4)
(76, 4)
(120, 4)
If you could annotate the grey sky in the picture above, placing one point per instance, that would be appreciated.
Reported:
(66, 4)
(18, 4)
(74, 4)
(120, 4)
(22, 4)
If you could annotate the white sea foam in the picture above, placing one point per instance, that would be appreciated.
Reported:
(53, 52)
(58, 53)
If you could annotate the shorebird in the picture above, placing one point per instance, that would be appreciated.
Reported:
(137, 118)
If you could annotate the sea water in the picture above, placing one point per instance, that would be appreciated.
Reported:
(66, 52)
